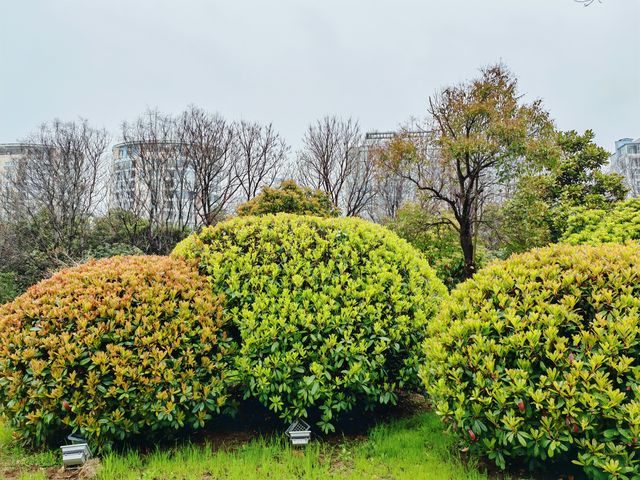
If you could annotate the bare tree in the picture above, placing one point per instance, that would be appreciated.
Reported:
(58, 183)
(259, 156)
(153, 181)
(208, 142)
(334, 160)
(391, 192)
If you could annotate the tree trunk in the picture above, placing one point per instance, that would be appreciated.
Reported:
(466, 242)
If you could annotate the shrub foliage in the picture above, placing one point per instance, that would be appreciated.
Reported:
(437, 240)
(7, 286)
(595, 226)
(112, 250)
(538, 357)
(113, 348)
(289, 197)
(330, 312)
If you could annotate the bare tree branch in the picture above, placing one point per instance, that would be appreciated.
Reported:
(153, 179)
(259, 157)
(334, 160)
(58, 181)
(208, 142)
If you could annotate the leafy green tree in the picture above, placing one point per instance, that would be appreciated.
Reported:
(577, 176)
(436, 239)
(481, 133)
(289, 197)
(538, 212)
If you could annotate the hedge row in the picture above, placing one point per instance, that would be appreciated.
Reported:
(311, 316)
(536, 358)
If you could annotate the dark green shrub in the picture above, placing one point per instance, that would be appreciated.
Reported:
(330, 312)
(112, 250)
(538, 358)
(113, 348)
(8, 288)
(120, 227)
(290, 198)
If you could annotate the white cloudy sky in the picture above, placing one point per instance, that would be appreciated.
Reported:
(291, 61)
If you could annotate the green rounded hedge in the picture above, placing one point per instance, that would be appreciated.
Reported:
(538, 358)
(289, 197)
(330, 312)
(111, 349)
(595, 226)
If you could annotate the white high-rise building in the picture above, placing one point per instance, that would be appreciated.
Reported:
(626, 161)
(153, 179)
(10, 153)
(12, 157)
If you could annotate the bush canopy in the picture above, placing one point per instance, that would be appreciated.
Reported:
(594, 226)
(538, 357)
(330, 312)
(111, 349)
(289, 197)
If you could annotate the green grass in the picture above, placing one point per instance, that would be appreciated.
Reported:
(412, 448)
(21, 465)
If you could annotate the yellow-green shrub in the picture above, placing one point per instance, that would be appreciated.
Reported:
(330, 312)
(538, 357)
(594, 226)
(289, 197)
(113, 348)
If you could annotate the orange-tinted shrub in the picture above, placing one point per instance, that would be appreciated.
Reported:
(113, 348)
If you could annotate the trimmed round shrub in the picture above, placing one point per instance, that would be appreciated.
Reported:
(289, 197)
(330, 313)
(111, 349)
(538, 358)
(595, 226)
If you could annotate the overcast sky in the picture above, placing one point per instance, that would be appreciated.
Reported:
(292, 61)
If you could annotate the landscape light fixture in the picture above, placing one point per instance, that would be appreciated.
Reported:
(299, 432)
(76, 454)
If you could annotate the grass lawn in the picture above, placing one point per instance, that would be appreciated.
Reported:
(412, 448)
(15, 463)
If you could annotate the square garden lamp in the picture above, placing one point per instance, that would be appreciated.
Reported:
(299, 432)
(76, 454)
